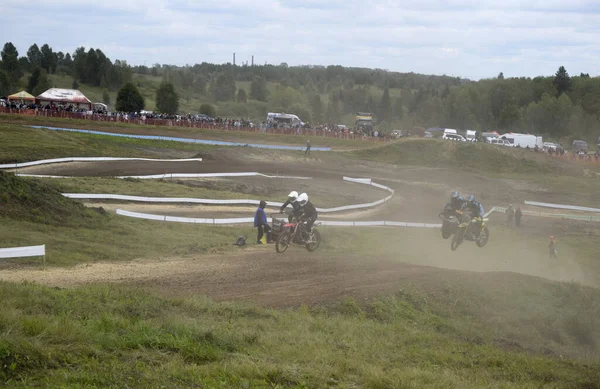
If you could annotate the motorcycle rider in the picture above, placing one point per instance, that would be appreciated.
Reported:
(297, 211)
(309, 212)
(475, 208)
(456, 201)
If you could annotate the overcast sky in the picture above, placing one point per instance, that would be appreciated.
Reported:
(466, 38)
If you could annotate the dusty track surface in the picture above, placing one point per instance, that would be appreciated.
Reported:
(297, 277)
(254, 274)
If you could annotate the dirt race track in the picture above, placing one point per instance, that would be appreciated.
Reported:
(259, 274)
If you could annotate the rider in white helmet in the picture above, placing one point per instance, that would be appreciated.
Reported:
(309, 212)
(292, 200)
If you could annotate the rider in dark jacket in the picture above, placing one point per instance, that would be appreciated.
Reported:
(309, 212)
(456, 202)
(475, 208)
(291, 200)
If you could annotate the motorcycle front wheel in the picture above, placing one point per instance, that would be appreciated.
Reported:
(456, 241)
(315, 242)
(283, 242)
(445, 233)
(484, 236)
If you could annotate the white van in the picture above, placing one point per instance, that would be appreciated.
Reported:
(455, 137)
(450, 131)
(521, 140)
(499, 142)
(471, 136)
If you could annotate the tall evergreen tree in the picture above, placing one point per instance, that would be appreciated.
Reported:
(317, 109)
(385, 111)
(167, 100)
(34, 79)
(208, 110)
(129, 99)
(34, 55)
(241, 96)
(48, 59)
(5, 84)
(224, 87)
(10, 63)
(562, 81)
(258, 89)
(43, 84)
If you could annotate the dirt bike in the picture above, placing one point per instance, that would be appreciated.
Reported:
(295, 233)
(450, 222)
(464, 231)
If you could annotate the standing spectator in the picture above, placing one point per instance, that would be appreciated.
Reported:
(552, 247)
(510, 215)
(260, 222)
(307, 147)
(518, 216)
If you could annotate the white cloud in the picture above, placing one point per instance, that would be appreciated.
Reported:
(467, 38)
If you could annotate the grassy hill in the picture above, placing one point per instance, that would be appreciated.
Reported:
(107, 336)
(190, 101)
(38, 202)
(470, 156)
(33, 212)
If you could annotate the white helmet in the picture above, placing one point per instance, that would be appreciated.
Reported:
(293, 195)
(302, 199)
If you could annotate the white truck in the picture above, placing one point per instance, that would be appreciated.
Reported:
(523, 140)
(471, 136)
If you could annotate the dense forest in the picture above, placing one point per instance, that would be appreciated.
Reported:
(558, 106)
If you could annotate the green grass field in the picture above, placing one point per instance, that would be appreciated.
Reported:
(22, 144)
(473, 330)
(114, 337)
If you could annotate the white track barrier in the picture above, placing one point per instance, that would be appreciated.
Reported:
(276, 204)
(177, 175)
(20, 252)
(561, 206)
(90, 159)
(562, 216)
(243, 220)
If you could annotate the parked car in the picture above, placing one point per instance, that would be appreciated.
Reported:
(454, 137)
(580, 147)
(500, 142)
(428, 134)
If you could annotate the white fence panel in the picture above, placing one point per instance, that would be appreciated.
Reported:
(395, 224)
(140, 215)
(562, 206)
(369, 223)
(21, 252)
(235, 220)
(180, 219)
(89, 159)
(336, 223)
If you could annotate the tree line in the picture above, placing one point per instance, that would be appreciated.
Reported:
(558, 105)
(90, 67)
